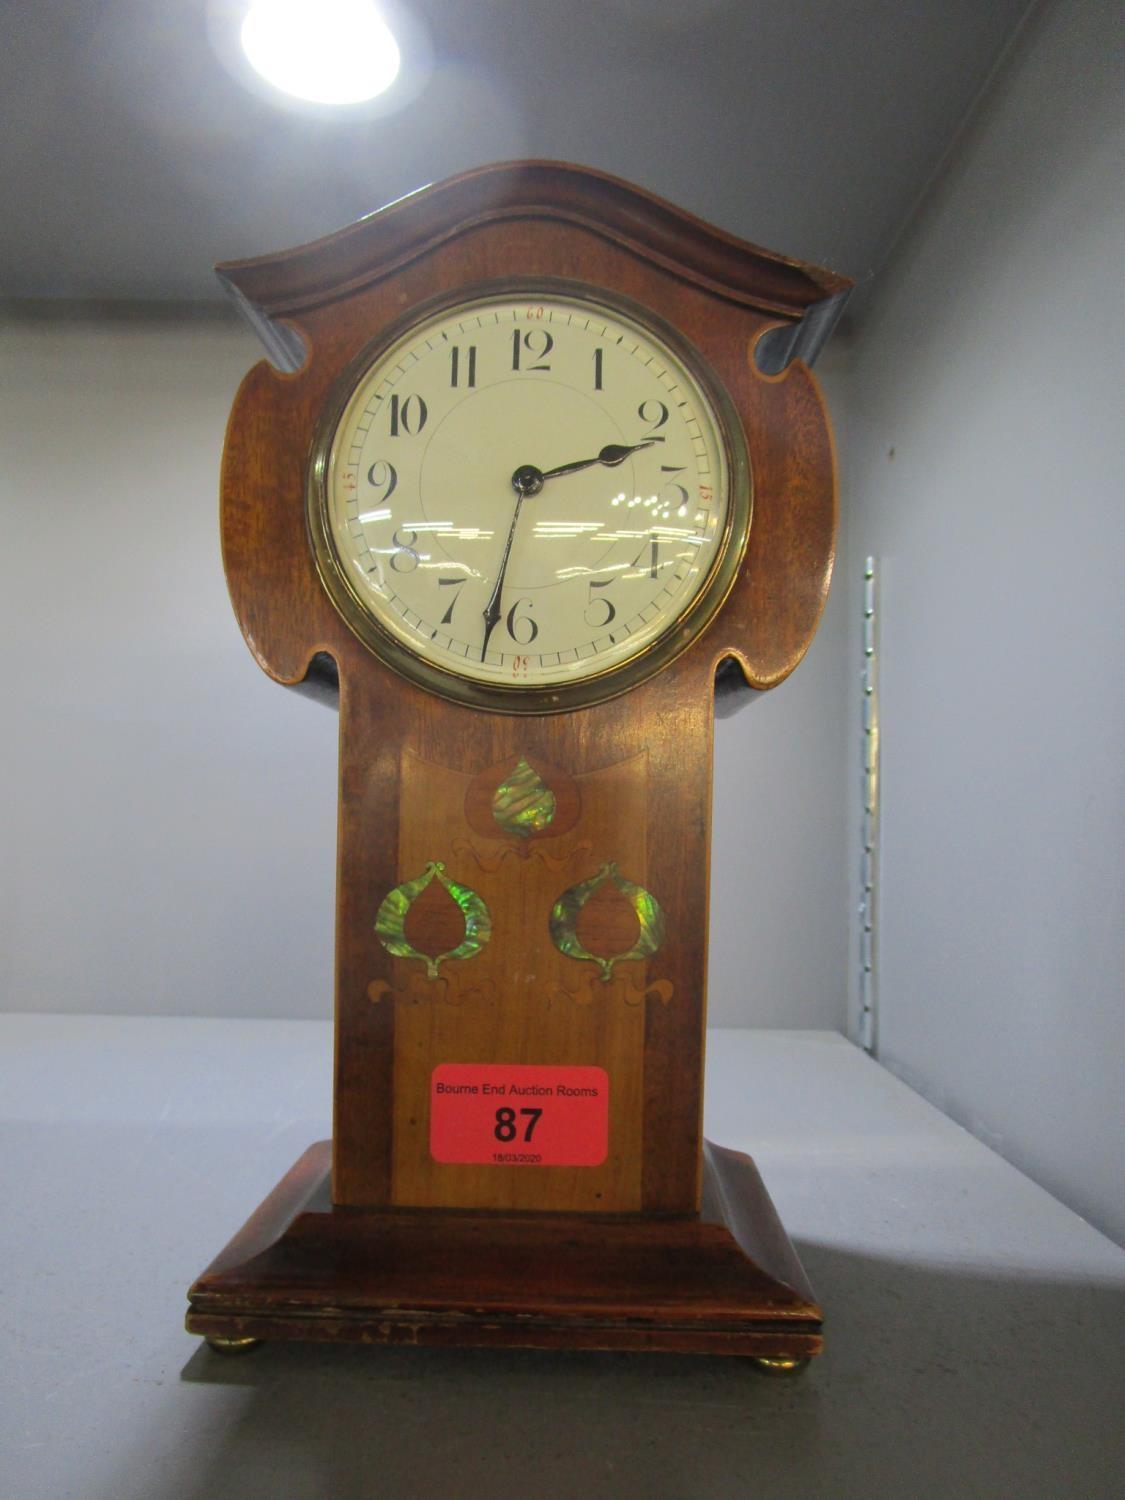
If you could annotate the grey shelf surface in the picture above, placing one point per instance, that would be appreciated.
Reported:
(974, 1325)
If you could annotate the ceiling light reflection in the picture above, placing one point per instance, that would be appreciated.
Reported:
(324, 51)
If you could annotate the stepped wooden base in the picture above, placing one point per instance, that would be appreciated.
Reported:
(728, 1282)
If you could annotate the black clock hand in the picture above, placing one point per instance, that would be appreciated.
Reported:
(528, 480)
(525, 481)
(611, 455)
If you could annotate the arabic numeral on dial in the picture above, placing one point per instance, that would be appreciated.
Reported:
(655, 415)
(404, 559)
(598, 605)
(451, 583)
(383, 476)
(648, 558)
(673, 493)
(523, 623)
(408, 415)
(467, 366)
(536, 344)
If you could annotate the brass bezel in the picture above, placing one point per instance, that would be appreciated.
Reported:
(599, 686)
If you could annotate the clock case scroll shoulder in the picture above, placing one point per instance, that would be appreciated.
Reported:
(757, 319)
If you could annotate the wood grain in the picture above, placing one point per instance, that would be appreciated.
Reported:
(510, 193)
(520, 1000)
(301, 1270)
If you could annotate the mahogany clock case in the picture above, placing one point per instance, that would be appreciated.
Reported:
(663, 1244)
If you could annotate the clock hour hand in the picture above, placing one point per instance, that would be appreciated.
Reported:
(611, 455)
(528, 480)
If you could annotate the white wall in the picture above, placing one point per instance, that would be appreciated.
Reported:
(985, 468)
(169, 813)
(781, 825)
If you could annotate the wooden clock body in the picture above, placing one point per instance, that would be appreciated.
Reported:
(667, 1243)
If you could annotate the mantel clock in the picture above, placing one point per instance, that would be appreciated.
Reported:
(536, 460)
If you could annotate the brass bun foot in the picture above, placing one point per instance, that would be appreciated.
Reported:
(223, 1345)
(773, 1366)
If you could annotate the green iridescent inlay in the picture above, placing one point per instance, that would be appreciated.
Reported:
(564, 919)
(390, 922)
(523, 804)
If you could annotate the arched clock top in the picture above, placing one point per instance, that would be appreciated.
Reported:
(292, 281)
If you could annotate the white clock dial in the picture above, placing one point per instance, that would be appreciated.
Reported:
(526, 490)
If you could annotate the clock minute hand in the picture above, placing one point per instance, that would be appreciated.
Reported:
(525, 481)
(611, 455)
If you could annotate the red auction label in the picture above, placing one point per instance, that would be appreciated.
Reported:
(518, 1115)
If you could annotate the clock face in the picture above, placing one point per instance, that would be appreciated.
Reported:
(530, 499)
